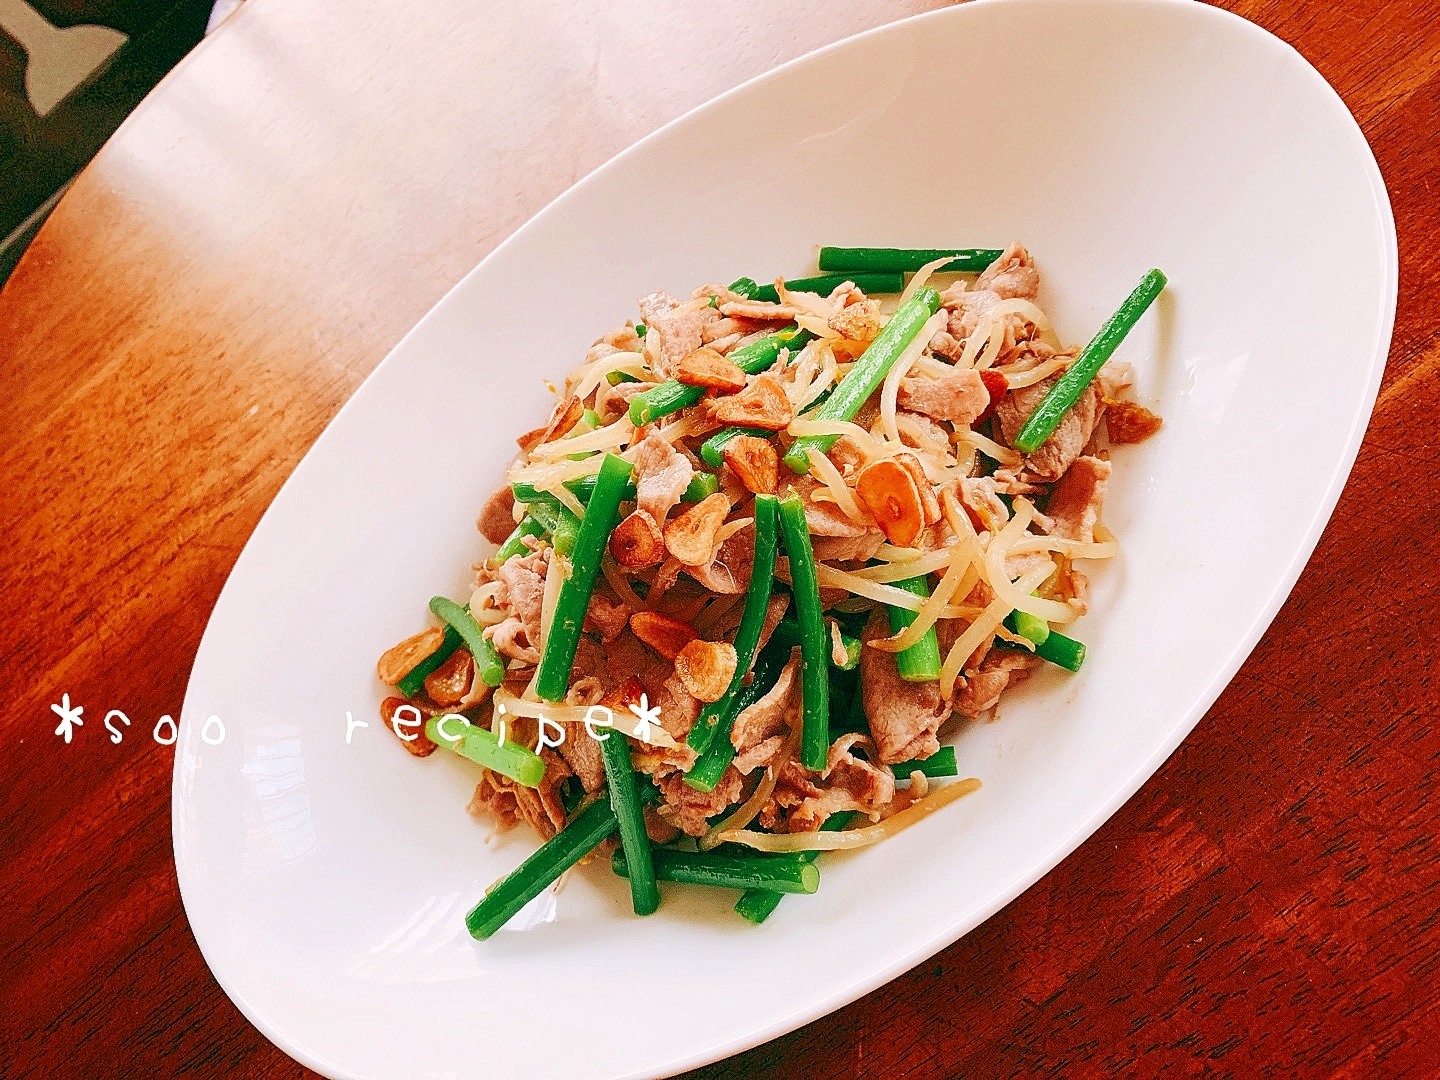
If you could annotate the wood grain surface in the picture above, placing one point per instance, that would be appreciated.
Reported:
(294, 196)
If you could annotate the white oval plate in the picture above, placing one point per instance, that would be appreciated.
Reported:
(326, 882)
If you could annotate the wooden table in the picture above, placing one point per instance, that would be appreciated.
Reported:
(295, 196)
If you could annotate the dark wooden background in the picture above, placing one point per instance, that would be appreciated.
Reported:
(303, 188)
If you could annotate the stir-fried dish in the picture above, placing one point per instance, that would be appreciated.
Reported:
(770, 542)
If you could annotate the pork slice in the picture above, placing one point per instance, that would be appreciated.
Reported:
(1061, 449)
(681, 330)
(495, 795)
(724, 328)
(848, 548)
(824, 518)
(794, 784)
(539, 807)
(688, 809)
(1007, 483)
(606, 615)
(497, 519)
(981, 692)
(522, 597)
(678, 708)
(932, 432)
(1077, 498)
(582, 754)
(511, 638)
(959, 396)
(728, 572)
(767, 716)
(849, 783)
(655, 304)
(627, 655)
(904, 716)
(589, 668)
(774, 612)
(942, 343)
(612, 401)
(759, 309)
(542, 806)
(846, 454)
(966, 309)
(759, 755)
(662, 475)
(983, 503)
(1012, 275)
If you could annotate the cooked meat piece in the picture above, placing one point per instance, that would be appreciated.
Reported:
(1126, 422)
(981, 692)
(959, 396)
(582, 754)
(662, 475)
(657, 828)
(932, 432)
(678, 708)
(986, 510)
(767, 716)
(688, 809)
(1007, 483)
(541, 808)
(824, 518)
(759, 309)
(762, 753)
(967, 308)
(1068, 441)
(1000, 669)
(774, 612)
(942, 343)
(857, 322)
(1013, 274)
(606, 615)
(845, 453)
(1077, 498)
(849, 783)
(724, 328)
(523, 595)
(495, 794)
(848, 548)
(511, 639)
(628, 655)
(904, 716)
(612, 401)
(729, 571)
(681, 328)
(655, 304)
(497, 519)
